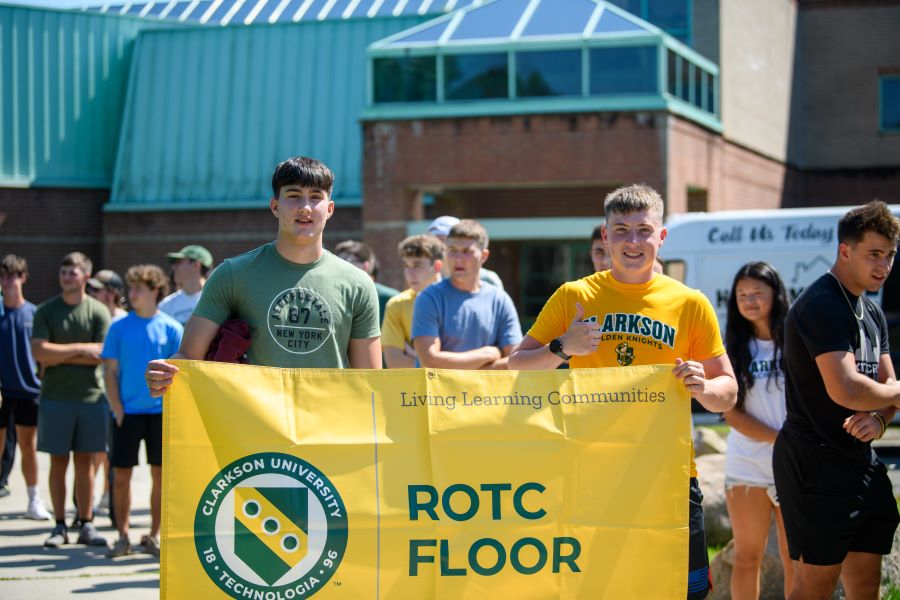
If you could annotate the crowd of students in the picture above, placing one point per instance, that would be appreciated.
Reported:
(72, 380)
(104, 370)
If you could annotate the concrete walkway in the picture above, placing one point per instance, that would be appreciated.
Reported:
(28, 570)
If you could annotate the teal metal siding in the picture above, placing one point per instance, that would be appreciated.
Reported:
(62, 85)
(210, 112)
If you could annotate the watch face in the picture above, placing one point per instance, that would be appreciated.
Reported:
(556, 348)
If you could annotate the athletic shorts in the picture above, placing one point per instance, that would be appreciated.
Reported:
(699, 584)
(24, 412)
(832, 506)
(69, 426)
(127, 440)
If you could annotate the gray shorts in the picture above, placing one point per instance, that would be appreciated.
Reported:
(65, 426)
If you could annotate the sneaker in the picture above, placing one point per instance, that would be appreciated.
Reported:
(4, 491)
(58, 537)
(122, 547)
(150, 544)
(102, 507)
(90, 537)
(37, 511)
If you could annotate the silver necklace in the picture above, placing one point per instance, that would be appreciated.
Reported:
(862, 311)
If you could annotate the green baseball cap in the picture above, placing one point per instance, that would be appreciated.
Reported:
(196, 253)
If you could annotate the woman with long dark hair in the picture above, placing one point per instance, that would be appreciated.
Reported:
(754, 339)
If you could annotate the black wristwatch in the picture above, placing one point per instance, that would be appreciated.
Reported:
(556, 348)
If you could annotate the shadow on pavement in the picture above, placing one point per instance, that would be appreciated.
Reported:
(114, 586)
(58, 560)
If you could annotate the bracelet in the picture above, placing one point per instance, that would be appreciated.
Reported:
(883, 424)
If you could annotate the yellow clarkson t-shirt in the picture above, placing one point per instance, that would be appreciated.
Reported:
(641, 324)
(396, 330)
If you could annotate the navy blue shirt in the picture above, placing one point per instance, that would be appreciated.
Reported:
(18, 371)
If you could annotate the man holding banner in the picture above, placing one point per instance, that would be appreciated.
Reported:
(630, 315)
(305, 307)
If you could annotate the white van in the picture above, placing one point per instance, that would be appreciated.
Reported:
(705, 250)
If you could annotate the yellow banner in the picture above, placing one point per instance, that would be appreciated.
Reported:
(418, 484)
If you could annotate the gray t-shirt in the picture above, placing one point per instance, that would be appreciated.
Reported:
(299, 315)
(466, 321)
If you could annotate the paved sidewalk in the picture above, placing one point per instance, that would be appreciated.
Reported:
(28, 570)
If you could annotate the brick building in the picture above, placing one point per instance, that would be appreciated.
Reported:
(162, 130)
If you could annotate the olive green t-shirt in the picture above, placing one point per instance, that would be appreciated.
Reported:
(61, 323)
(299, 315)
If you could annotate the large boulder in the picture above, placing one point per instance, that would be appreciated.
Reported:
(890, 567)
(708, 441)
(711, 474)
(771, 576)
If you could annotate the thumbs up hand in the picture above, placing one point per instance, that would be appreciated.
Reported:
(580, 338)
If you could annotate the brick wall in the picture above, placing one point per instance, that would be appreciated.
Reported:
(132, 238)
(43, 225)
(579, 151)
(841, 48)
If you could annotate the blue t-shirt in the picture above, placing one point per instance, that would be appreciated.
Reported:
(134, 341)
(18, 371)
(465, 321)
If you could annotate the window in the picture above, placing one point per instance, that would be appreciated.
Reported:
(889, 103)
(623, 70)
(672, 16)
(669, 15)
(405, 79)
(697, 95)
(697, 199)
(543, 267)
(674, 63)
(556, 73)
(710, 93)
(476, 76)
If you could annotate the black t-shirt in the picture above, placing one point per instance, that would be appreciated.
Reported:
(821, 321)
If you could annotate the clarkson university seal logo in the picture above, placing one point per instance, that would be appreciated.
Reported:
(270, 526)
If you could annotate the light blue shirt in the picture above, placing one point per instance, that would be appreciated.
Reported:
(465, 321)
(134, 341)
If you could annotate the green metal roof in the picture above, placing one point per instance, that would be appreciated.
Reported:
(63, 77)
(210, 112)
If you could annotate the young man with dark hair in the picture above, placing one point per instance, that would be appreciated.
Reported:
(144, 335)
(836, 499)
(461, 322)
(73, 414)
(18, 376)
(361, 256)
(190, 269)
(423, 258)
(599, 255)
(305, 306)
(670, 323)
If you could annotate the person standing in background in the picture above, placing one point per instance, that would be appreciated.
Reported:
(754, 339)
(18, 377)
(190, 268)
(73, 415)
(423, 257)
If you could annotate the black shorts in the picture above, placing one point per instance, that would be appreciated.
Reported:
(127, 441)
(830, 505)
(24, 412)
(699, 584)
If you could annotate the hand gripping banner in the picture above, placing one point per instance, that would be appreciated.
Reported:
(421, 483)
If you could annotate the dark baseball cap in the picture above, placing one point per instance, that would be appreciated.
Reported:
(106, 279)
(195, 253)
